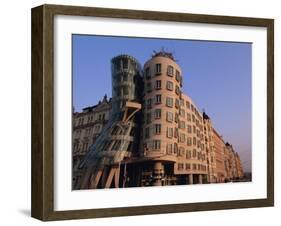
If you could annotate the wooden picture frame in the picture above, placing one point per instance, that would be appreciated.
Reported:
(43, 108)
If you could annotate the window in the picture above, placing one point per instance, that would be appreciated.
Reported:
(181, 151)
(169, 116)
(188, 154)
(125, 90)
(118, 78)
(189, 129)
(157, 128)
(157, 114)
(182, 137)
(180, 166)
(193, 118)
(158, 68)
(85, 146)
(78, 133)
(106, 145)
(149, 103)
(169, 102)
(177, 104)
(182, 125)
(118, 65)
(148, 87)
(76, 145)
(176, 133)
(181, 102)
(203, 157)
(194, 166)
(176, 117)
(188, 117)
(81, 120)
(97, 128)
(194, 140)
(169, 132)
(117, 144)
(125, 77)
(148, 118)
(181, 81)
(180, 93)
(175, 148)
(157, 84)
(203, 168)
(147, 73)
(170, 71)
(147, 132)
(125, 63)
(170, 85)
(178, 76)
(192, 108)
(199, 156)
(169, 149)
(189, 141)
(182, 113)
(194, 129)
(194, 153)
(187, 166)
(188, 104)
(158, 99)
(88, 131)
(177, 90)
(157, 144)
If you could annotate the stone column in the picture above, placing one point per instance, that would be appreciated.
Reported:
(190, 178)
(208, 178)
(200, 179)
(157, 174)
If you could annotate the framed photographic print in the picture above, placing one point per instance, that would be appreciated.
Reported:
(141, 112)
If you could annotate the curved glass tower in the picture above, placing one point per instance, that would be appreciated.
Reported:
(118, 139)
(126, 76)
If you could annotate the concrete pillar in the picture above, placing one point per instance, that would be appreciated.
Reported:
(110, 177)
(116, 178)
(95, 180)
(157, 174)
(104, 176)
(190, 178)
(200, 179)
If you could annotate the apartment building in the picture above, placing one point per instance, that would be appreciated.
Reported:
(219, 147)
(87, 126)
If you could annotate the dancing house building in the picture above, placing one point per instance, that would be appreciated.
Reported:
(149, 133)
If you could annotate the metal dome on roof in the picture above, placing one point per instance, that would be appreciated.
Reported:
(163, 53)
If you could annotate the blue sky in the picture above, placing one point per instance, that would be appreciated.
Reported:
(216, 75)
